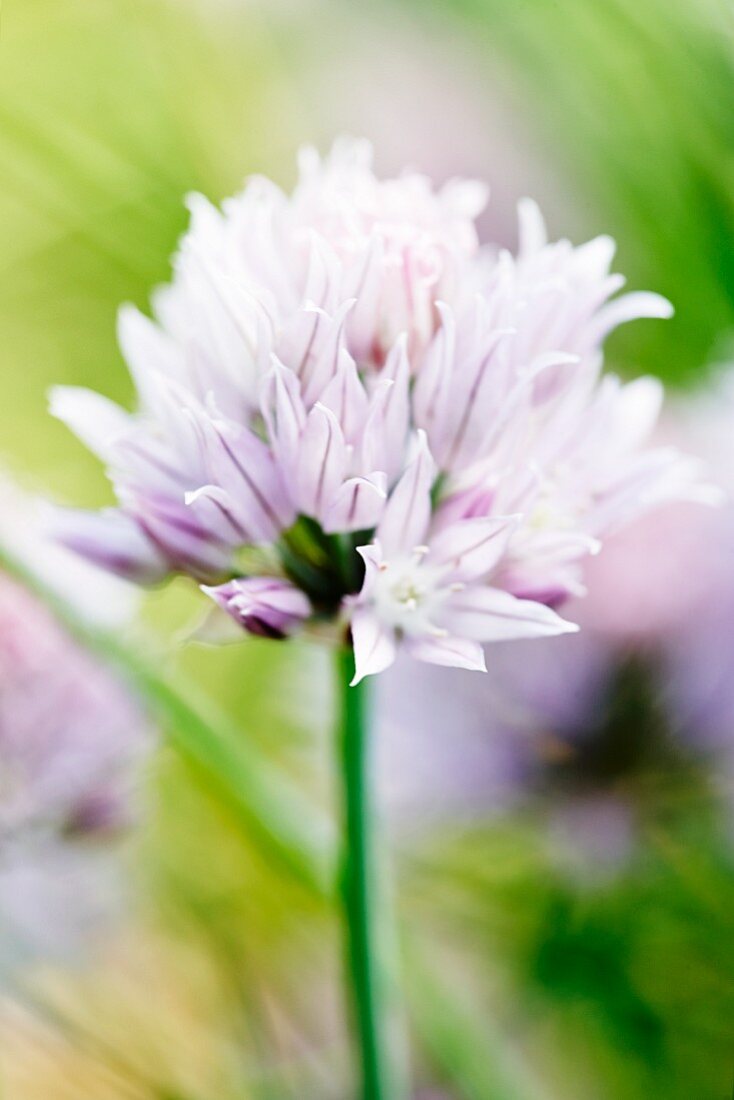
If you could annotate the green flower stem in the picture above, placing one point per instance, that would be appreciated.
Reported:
(359, 888)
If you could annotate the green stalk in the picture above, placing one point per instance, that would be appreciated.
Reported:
(359, 887)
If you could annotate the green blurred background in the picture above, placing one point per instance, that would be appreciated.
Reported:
(223, 980)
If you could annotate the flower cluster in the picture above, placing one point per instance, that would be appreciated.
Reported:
(349, 410)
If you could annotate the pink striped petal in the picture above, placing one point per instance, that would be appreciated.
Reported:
(404, 524)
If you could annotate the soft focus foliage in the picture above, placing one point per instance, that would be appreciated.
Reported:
(633, 101)
(566, 884)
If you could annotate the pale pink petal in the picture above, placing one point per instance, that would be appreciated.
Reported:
(188, 545)
(346, 397)
(358, 505)
(465, 198)
(492, 615)
(243, 466)
(310, 345)
(373, 558)
(374, 646)
(323, 462)
(639, 406)
(395, 409)
(405, 521)
(324, 272)
(109, 539)
(147, 349)
(365, 286)
(450, 651)
(630, 307)
(532, 233)
(471, 548)
(284, 414)
(217, 511)
(98, 422)
(480, 403)
(433, 385)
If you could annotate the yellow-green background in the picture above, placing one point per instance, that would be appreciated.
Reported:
(222, 980)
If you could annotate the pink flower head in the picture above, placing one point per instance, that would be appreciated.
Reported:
(410, 432)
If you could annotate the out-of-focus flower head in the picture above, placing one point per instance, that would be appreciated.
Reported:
(72, 745)
(565, 730)
(699, 652)
(343, 392)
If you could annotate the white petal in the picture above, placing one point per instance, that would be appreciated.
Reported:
(450, 651)
(358, 505)
(533, 235)
(284, 414)
(639, 404)
(395, 411)
(433, 385)
(109, 539)
(372, 557)
(374, 647)
(94, 419)
(310, 345)
(147, 349)
(176, 531)
(322, 466)
(630, 307)
(472, 547)
(242, 465)
(465, 198)
(365, 286)
(408, 511)
(346, 397)
(218, 512)
(324, 275)
(492, 615)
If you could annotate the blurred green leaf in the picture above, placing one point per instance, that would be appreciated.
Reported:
(631, 102)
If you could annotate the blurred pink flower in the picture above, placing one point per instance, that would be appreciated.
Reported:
(648, 579)
(66, 728)
(660, 594)
(73, 743)
(456, 746)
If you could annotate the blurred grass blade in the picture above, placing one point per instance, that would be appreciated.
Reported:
(469, 1051)
(631, 103)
